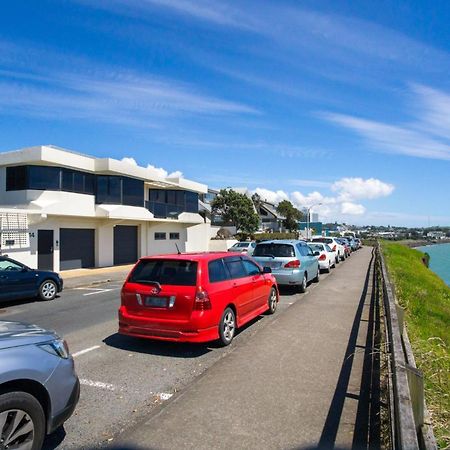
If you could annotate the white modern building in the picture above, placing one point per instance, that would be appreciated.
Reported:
(62, 210)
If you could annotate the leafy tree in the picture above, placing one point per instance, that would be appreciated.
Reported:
(291, 213)
(237, 209)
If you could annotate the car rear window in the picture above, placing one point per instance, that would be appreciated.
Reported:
(326, 240)
(241, 244)
(166, 271)
(316, 247)
(275, 250)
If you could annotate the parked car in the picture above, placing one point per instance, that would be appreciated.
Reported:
(359, 242)
(195, 297)
(243, 247)
(335, 245)
(325, 256)
(346, 244)
(292, 262)
(39, 388)
(18, 281)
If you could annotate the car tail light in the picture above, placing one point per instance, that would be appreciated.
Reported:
(202, 301)
(322, 257)
(292, 264)
(334, 248)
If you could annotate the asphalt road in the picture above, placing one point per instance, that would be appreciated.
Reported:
(123, 379)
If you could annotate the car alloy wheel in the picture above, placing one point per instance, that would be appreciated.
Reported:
(304, 284)
(227, 326)
(16, 430)
(273, 301)
(48, 290)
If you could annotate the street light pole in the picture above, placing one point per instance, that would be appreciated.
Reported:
(308, 211)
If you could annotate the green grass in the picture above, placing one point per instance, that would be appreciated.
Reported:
(426, 299)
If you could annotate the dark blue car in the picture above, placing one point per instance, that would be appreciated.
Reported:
(18, 281)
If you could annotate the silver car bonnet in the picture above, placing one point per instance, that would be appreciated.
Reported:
(15, 334)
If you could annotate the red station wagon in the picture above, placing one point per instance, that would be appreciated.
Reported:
(195, 297)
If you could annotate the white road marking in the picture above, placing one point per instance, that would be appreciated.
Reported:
(89, 289)
(86, 350)
(98, 292)
(164, 395)
(98, 384)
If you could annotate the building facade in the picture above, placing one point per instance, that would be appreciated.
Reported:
(62, 210)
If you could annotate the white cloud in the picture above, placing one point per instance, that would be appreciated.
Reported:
(159, 171)
(358, 188)
(333, 207)
(129, 160)
(426, 137)
(352, 209)
(176, 174)
(274, 197)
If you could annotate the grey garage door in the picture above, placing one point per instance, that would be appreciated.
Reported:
(77, 248)
(125, 244)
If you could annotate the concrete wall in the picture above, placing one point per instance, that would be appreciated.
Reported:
(216, 245)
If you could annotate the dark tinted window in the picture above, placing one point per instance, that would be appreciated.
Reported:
(16, 178)
(174, 235)
(326, 240)
(101, 194)
(192, 202)
(217, 271)
(89, 183)
(166, 271)
(235, 267)
(40, 177)
(251, 268)
(276, 250)
(160, 236)
(133, 192)
(171, 202)
(115, 190)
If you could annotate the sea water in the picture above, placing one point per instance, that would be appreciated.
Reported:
(439, 259)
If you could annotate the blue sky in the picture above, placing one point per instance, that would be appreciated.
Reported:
(341, 103)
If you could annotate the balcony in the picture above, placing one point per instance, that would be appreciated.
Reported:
(164, 210)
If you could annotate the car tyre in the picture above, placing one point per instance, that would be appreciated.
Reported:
(302, 287)
(48, 290)
(316, 279)
(329, 267)
(273, 301)
(227, 327)
(28, 416)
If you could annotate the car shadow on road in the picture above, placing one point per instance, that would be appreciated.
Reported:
(53, 440)
(288, 290)
(19, 302)
(160, 348)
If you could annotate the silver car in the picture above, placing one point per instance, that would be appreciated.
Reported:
(243, 247)
(292, 262)
(39, 388)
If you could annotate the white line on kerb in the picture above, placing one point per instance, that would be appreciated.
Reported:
(98, 384)
(164, 395)
(86, 350)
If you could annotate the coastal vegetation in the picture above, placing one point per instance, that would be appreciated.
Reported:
(426, 300)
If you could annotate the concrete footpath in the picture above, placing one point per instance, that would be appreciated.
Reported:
(295, 384)
(85, 277)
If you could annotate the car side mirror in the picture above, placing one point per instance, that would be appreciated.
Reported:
(266, 270)
(316, 253)
(25, 269)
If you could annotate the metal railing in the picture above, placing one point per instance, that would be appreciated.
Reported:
(409, 422)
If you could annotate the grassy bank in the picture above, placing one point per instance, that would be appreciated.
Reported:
(426, 299)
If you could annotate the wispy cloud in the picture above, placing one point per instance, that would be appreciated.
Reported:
(426, 137)
(109, 94)
(218, 13)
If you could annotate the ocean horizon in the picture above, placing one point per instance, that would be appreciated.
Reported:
(439, 259)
